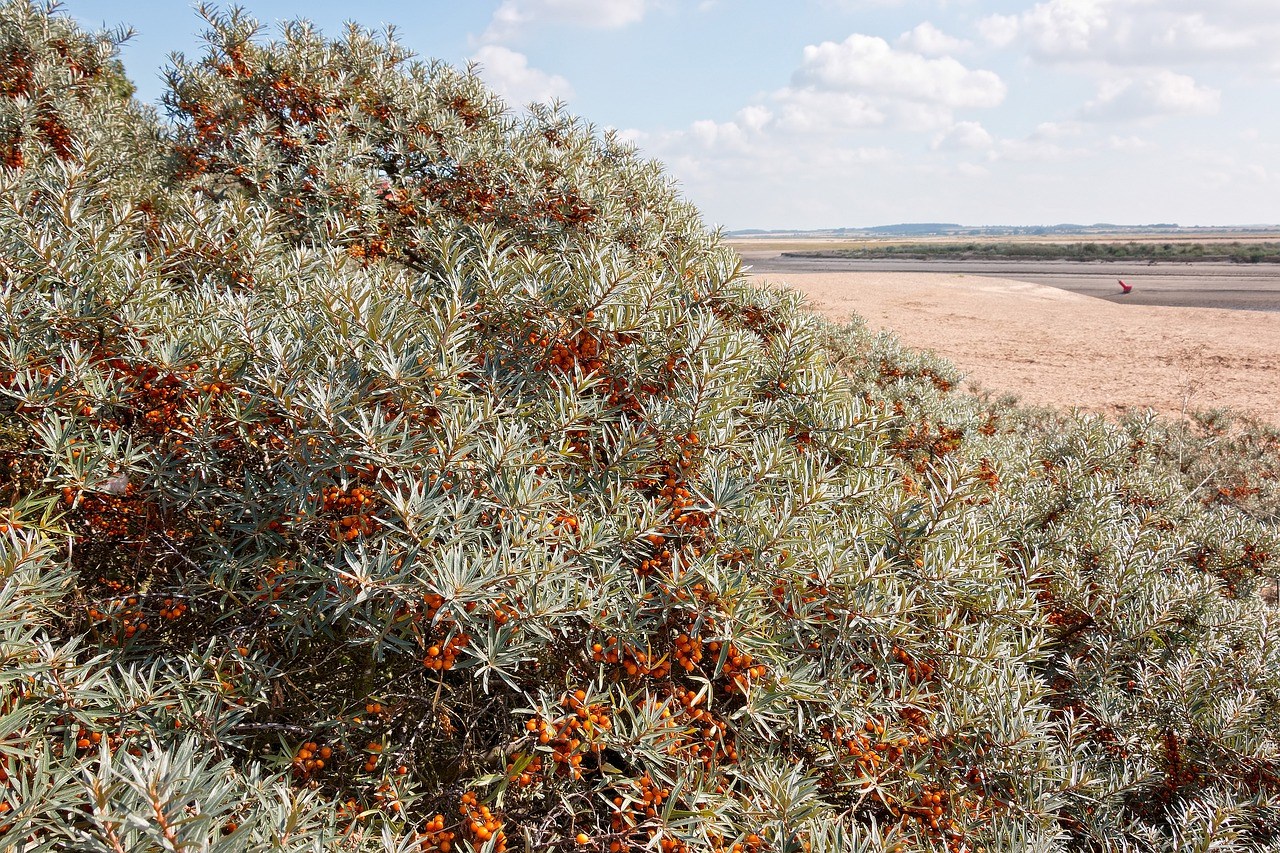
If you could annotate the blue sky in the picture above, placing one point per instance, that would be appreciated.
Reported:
(828, 113)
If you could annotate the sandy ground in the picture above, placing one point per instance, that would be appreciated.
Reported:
(1199, 284)
(1051, 346)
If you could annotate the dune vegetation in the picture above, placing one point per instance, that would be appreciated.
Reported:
(383, 469)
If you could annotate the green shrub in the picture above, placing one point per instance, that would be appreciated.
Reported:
(386, 471)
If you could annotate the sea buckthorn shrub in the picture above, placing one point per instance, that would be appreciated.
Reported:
(1162, 664)
(386, 470)
(1226, 459)
(59, 83)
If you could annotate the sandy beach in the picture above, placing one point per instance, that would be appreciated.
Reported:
(1051, 346)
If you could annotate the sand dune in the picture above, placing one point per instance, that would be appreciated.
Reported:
(1051, 346)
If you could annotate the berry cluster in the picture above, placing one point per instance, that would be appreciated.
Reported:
(354, 508)
(480, 824)
(119, 617)
(567, 739)
(311, 758)
(739, 668)
(635, 662)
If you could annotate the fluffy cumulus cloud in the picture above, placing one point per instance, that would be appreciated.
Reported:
(755, 117)
(850, 111)
(805, 110)
(1152, 94)
(964, 136)
(999, 30)
(509, 74)
(868, 64)
(848, 108)
(508, 71)
(928, 40)
(1061, 27)
(722, 135)
(1126, 143)
(1048, 142)
(859, 6)
(514, 15)
(860, 85)
(1143, 31)
(1052, 130)
(1141, 54)
(842, 90)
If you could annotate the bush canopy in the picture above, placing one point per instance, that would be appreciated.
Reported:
(382, 469)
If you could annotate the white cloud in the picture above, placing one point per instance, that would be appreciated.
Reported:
(1033, 149)
(999, 30)
(1143, 32)
(514, 15)
(1158, 93)
(964, 136)
(864, 83)
(720, 135)
(1047, 130)
(1195, 34)
(868, 64)
(812, 111)
(858, 6)
(633, 136)
(754, 117)
(927, 39)
(1127, 143)
(840, 120)
(1048, 142)
(510, 75)
(1064, 27)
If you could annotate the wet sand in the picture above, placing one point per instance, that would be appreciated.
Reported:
(1182, 340)
(1253, 287)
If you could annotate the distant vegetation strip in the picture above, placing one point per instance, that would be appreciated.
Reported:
(1235, 252)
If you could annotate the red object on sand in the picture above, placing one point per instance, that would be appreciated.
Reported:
(1125, 288)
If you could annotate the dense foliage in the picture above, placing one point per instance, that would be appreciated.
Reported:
(384, 470)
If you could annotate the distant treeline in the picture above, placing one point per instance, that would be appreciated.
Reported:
(1235, 252)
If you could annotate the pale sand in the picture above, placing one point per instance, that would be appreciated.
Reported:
(1053, 347)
